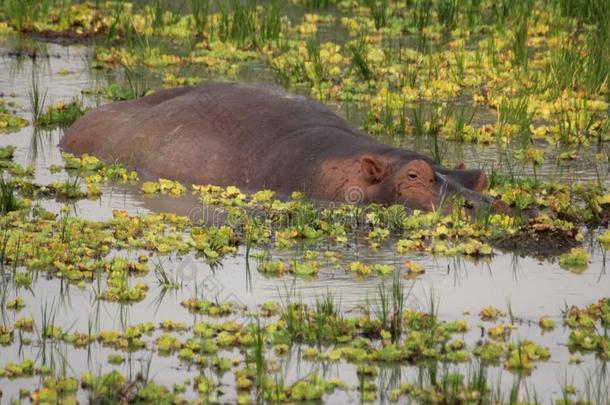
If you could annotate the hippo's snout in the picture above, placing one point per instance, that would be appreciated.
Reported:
(470, 187)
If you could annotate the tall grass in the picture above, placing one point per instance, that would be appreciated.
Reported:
(379, 11)
(516, 112)
(422, 14)
(157, 16)
(200, 10)
(509, 13)
(462, 118)
(248, 25)
(358, 50)
(270, 21)
(22, 13)
(519, 44)
(447, 13)
(565, 68)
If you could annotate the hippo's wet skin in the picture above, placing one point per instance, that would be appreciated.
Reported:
(257, 136)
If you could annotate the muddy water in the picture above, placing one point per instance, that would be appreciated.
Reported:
(460, 288)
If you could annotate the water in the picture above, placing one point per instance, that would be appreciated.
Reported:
(461, 287)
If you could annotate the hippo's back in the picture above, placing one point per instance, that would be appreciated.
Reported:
(220, 133)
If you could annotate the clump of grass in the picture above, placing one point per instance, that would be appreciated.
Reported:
(462, 118)
(422, 14)
(200, 10)
(61, 114)
(320, 68)
(391, 306)
(473, 12)
(519, 44)
(137, 83)
(242, 23)
(160, 17)
(447, 12)
(515, 111)
(430, 127)
(508, 12)
(360, 64)
(270, 22)
(22, 13)
(427, 120)
(37, 98)
(574, 125)
(379, 11)
(566, 67)
(8, 197)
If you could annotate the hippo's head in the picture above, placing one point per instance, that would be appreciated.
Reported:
(418, 183)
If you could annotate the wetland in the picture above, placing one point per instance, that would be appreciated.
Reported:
(116, 289)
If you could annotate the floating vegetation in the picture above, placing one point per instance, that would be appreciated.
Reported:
(163, 186)
(529, 80)
(587, 326)
(61, 114)
(9, 121)
(576, 259)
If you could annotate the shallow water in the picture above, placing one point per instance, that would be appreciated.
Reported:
(529, 286)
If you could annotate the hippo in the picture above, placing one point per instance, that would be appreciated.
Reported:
(258, 136)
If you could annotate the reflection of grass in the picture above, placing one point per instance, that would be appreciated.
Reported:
(37, 98)
(596, 387)
(259, 355)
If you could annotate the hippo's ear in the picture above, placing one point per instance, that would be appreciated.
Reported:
(373, 168)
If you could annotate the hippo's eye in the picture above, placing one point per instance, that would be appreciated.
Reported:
(413, 175)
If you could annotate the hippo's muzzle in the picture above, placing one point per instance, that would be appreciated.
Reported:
(449, 186)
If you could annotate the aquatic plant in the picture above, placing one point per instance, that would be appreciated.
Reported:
(8, 197)
(61, 114)
(536, 73)
(37, 98)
